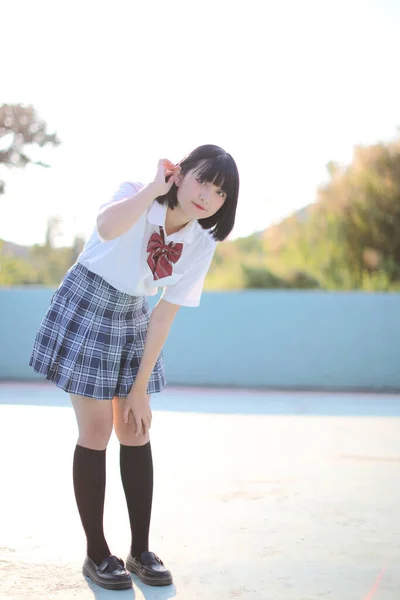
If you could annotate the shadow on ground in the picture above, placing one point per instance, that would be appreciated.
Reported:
(147, 593)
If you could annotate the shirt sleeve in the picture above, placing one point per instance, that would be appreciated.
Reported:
(125, 190)
(187, 291)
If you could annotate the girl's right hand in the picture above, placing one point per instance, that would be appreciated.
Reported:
(165, 169)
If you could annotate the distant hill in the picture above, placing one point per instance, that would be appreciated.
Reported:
(15, 250)
(278, 230)
(300, 216)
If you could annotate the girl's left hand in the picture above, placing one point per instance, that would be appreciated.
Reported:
(139, 404)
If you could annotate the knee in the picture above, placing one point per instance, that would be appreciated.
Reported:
(95, 434)
(126, 434)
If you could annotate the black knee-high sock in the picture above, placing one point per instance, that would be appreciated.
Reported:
(136, 464)
(89, 474)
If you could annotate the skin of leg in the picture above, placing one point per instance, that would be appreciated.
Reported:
(126, 431)
(95, 421)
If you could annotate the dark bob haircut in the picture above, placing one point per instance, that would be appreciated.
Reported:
(216, 166)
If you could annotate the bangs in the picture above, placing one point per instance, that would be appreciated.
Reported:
(218, 171)
(215, 166)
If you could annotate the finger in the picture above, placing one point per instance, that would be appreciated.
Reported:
(148, 422)
(125, 413)
(148, 419)
(162, 166)
(138, 425)
(169, 169)
(165, 164)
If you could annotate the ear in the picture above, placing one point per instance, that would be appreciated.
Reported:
(178, 175)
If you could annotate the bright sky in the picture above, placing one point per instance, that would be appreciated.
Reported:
(283, 86)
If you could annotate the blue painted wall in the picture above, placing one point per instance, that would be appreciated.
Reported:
(277, 339)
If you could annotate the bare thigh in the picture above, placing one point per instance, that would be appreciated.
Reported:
(95, 421)
(126, 431)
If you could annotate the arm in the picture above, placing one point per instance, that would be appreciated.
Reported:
(158, 329)
(117, 218)
(186, 292)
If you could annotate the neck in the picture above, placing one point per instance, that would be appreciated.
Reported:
(175, 220)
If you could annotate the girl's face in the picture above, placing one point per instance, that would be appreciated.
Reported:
(198, 198)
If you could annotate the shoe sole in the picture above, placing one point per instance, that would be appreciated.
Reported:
(108, 585)
(148, 580)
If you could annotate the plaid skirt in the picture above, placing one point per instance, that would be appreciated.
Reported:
(92, 337)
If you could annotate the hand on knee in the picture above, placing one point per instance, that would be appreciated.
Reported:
(126, 433)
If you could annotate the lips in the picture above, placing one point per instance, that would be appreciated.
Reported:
(198, 206)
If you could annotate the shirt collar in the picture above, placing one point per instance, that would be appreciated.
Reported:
(156, 216)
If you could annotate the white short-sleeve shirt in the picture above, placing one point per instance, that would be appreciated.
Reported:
(122, 262)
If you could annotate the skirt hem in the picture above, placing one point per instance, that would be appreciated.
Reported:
(71, 389)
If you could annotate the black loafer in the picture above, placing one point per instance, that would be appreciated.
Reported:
(149, 568)
(111, 574)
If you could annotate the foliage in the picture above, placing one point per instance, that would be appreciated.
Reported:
(349, 238)
(20, 126)
(39, 264)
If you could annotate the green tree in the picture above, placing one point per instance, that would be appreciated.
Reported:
(20, 126)
(362, 204)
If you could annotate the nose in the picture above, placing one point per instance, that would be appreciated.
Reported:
(205, 196)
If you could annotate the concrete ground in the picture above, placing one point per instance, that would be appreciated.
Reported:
(258, 496)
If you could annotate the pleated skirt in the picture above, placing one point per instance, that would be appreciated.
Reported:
(92, 337)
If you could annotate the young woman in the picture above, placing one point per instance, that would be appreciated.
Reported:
(101, 344)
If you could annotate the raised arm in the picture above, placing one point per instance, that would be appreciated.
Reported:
(115, 219)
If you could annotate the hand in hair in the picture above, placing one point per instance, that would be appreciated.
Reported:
(163, 179)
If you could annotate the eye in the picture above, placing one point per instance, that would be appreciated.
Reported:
(222, 194)
(200, 180)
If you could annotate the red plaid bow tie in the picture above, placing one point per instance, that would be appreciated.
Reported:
(162, 257)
